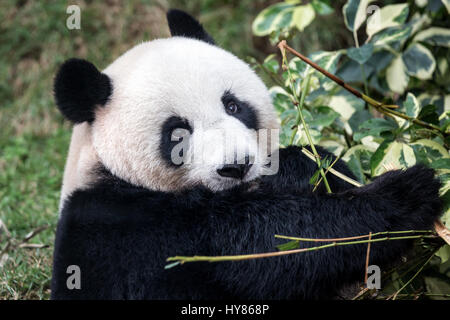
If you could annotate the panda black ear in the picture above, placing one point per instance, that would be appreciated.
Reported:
(182, 24)
(79, 87)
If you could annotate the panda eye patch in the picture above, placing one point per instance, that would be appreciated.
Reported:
(173, 131)
(241, 110)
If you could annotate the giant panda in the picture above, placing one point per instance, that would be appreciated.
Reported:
(126, 206)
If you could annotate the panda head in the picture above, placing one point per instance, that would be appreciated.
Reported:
(168, 114)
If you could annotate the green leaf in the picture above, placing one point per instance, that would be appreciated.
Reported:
(303, 16)
(362, 54)
(273, 17)
(298, 67)
(391, 154)
(434, 36)
(429, 114)
(358, 118)
(291, 245)
(428, 151)
(388, 16)
(373, 127)
(271, 63)
(346, 105)
(411, 105)
(322, 7)
(316, 135)
(171, 265)
(437, 285)
(419, 61)
(447, 5)
(396, 76)
(444, 254)
(358, 161)
(328, 60)
(421, 3)
(313, 180)
(325, 163)
(355, 13)
(333, 146)
(441, 102)
(281, 99)
(322, 116)
(441, 164)
(391, 35)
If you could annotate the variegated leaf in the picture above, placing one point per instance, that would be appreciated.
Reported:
(419, 61)
(412, 105)
(392, 155)
(273, 17)
(427, 151)
(303, 16)
(434, 36)
(421, 3)
(374, 127)
(333, 146)
(355, 13)
(388, 16)
(396, 76)
(361, 54)
(358, 160)
(391, 35)
(447, 5)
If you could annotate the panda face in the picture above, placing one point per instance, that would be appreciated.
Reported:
(183, 112)
(168, 115)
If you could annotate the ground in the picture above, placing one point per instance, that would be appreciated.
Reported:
(34, 138)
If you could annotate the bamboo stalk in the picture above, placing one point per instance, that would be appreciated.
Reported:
(307, 153)
(185, 259)
(413, 277)
(387, 233)
(376, 104)
(367, 259)
(300, 117)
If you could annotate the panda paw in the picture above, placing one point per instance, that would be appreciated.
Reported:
(413, 194)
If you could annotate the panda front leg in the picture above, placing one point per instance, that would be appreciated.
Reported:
(397, 200)
(295, 170)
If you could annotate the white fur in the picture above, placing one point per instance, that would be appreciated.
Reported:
(176, 77)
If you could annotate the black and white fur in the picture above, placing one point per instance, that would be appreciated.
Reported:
(125, 208)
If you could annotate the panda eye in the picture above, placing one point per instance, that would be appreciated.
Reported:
(231, 107)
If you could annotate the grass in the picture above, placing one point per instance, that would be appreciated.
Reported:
(34, 139)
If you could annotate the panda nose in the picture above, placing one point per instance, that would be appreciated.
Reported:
(237, 171)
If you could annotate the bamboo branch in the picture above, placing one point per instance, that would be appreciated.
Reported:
(413, 277)
(185, 259)
(386, 233)
(326, 171)
(367, 259)
(376, 104)
(300, 117)
(307, 153)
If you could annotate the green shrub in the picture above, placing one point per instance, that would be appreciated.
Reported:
(400, 59)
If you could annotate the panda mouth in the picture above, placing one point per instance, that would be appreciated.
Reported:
(218, 182)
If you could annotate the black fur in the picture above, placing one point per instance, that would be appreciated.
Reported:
(245, 113)
(166, 144)
(120, 235)
(182, 24)
(78, 88)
